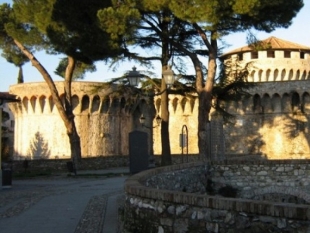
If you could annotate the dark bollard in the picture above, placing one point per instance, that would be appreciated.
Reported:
(71, 167)
(6, 176)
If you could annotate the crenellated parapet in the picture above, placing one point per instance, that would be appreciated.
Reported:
(276, 60)
(273, 67)
(87, 98)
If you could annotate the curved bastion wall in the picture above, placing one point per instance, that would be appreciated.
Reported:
(103, 121)
(274, 120)
(174, 198)
(100, 120)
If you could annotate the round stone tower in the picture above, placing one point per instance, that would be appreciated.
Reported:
(103, 121)
(274, 121)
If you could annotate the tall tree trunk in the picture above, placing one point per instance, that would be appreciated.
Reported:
(205, 101)
(205, 92)
(20, 77)
(202, 110)
(166, 55)
(66, 112)
(165, 140)
(75, 142)
(206, 97)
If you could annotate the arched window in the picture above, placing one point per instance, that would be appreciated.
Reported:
(295, 102)
(290, 76)
(283, 74)
(85, 104)
(75, 103)
(192, 103)
(183, 103)
(268, 75)
(105, 105)
(276, 75)
(251, 76)
(260, 72)
(175, 104)
(297, 74)
(51, 103)
(115, 106)
(33, 101)
(276, 103)
(266, 104)
(42, 103)
(304, 75)
(95, 104)
(286, 106)
(25, 103)
(257, 107)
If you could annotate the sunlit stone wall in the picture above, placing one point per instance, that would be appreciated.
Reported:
(274, 121)
(103, 121)
(183, 114)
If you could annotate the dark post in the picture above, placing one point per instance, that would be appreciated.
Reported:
(138, 151)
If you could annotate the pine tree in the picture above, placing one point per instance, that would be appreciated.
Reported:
(209, 20)
(58, 27)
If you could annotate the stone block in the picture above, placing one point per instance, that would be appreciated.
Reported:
(166, 222)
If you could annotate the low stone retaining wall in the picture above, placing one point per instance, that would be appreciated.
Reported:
(91, 163)
(165, 206)
(95, 163)
(257, 179)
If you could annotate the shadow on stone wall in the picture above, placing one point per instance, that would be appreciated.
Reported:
(38, 148)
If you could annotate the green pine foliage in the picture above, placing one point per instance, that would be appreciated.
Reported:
(80, 69)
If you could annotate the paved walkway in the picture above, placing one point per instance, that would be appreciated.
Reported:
(63, 204)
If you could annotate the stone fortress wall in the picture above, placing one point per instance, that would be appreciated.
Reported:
(103, 121)
(100, 121)
(183, 111)
(273, 122)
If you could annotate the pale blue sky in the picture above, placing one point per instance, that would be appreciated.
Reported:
(298, 32)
